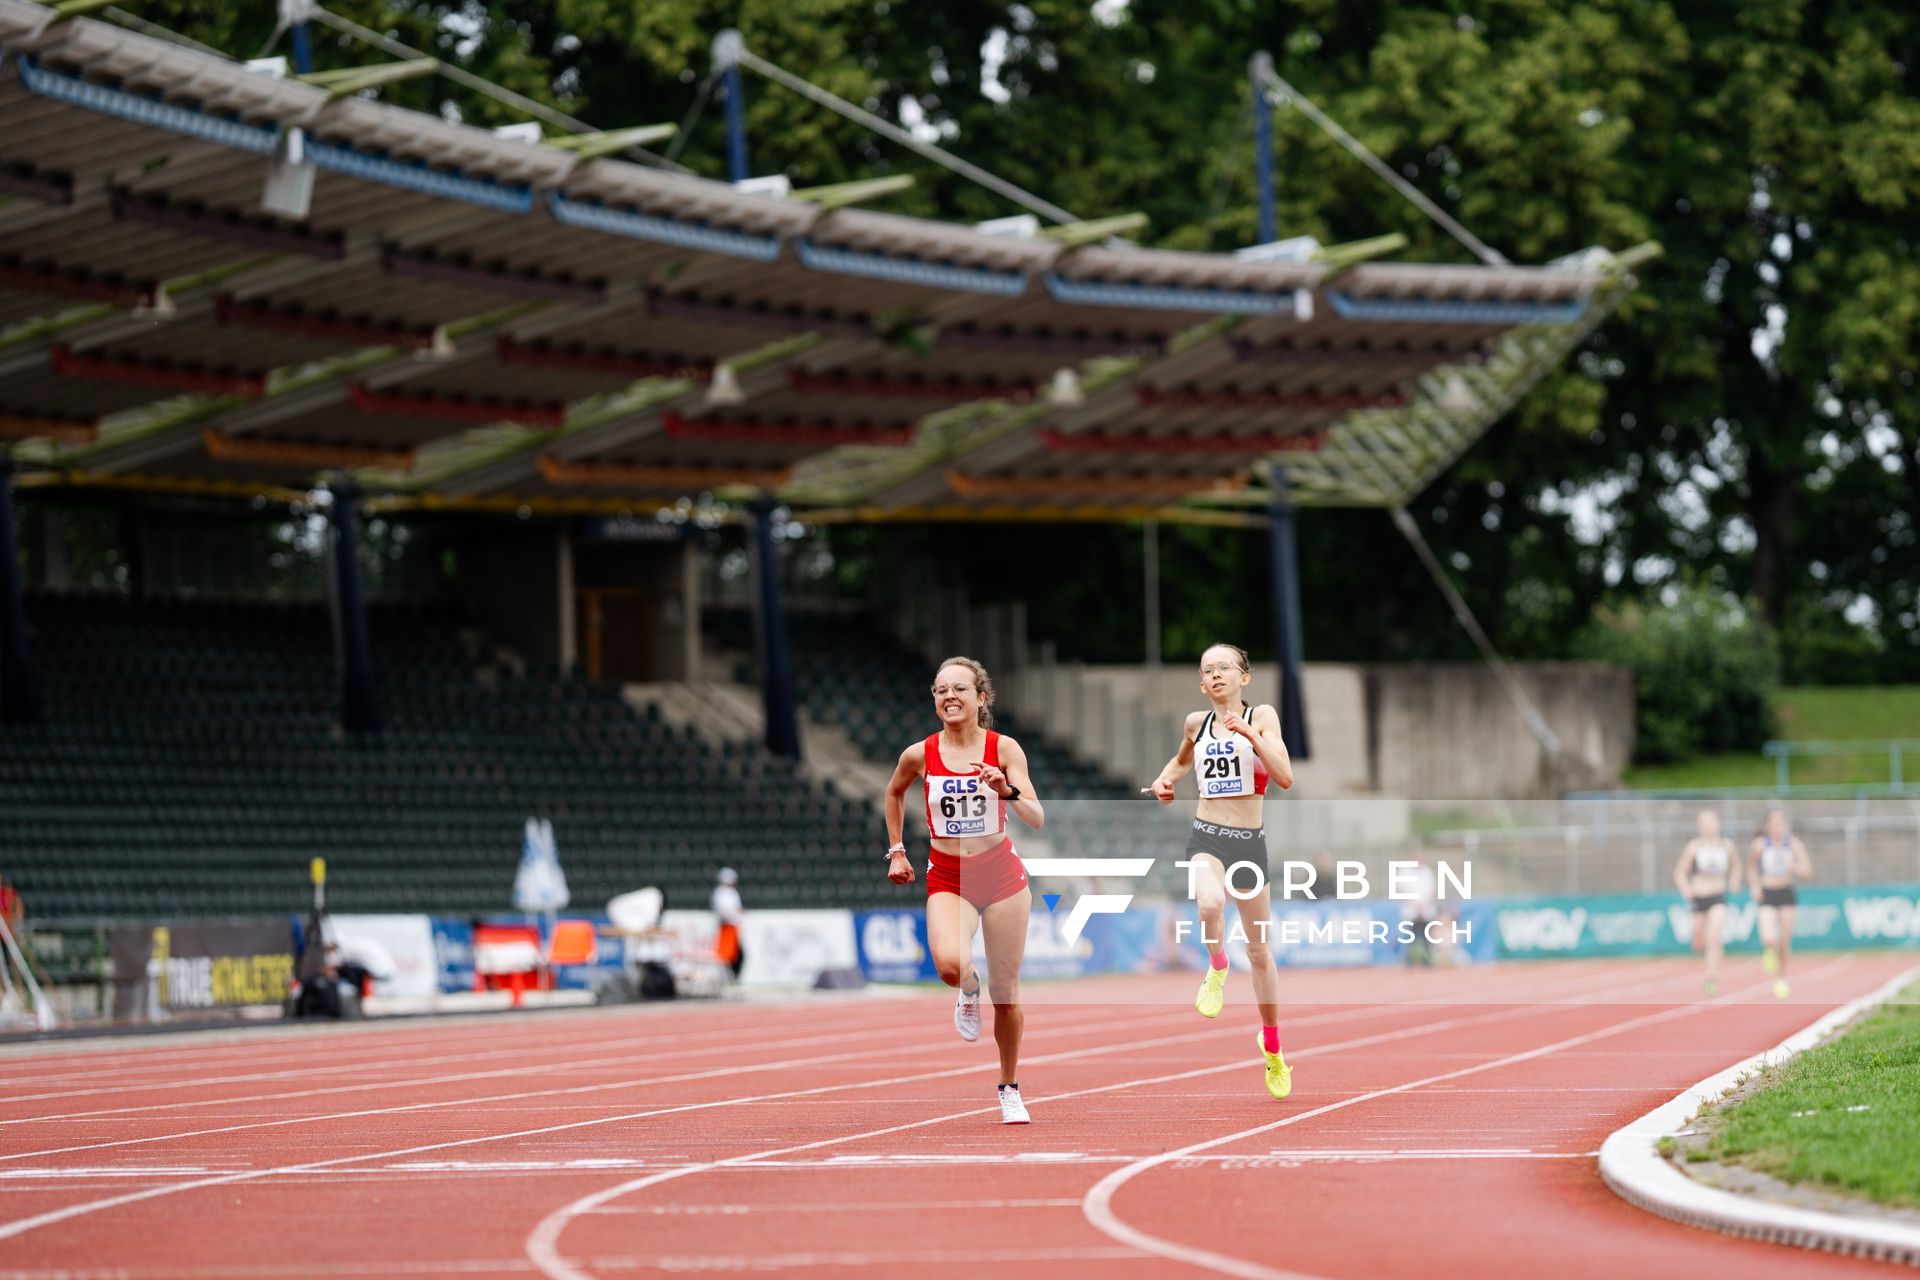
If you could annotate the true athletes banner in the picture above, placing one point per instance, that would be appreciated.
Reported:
(165, 969)
(1829, 918)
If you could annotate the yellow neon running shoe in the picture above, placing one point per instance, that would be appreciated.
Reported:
(1279, 1074)
(1770, 960)
(1780, 988)
(1213, 993)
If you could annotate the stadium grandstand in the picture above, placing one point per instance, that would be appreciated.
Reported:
(268, 294)
(188, 767)
(474, 586)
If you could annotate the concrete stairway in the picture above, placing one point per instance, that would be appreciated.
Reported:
(726, 713)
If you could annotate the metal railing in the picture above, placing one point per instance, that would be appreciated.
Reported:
(1628, 843)
(1895, 750)
(1515, 849)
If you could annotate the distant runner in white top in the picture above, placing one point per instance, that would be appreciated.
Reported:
(1706, 873)
(1774, 861)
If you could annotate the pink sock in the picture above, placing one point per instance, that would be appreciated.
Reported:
(1218, 959)
(1270, 1037)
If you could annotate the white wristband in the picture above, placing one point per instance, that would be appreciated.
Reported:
(900, 849)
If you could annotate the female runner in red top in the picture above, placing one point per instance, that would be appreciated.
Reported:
(1239, 750)
(974, 878)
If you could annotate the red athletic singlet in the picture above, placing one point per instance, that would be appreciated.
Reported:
(959, 805)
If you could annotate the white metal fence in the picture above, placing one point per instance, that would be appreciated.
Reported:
(1627, 844)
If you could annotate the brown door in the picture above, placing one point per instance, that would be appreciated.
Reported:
(616, 634)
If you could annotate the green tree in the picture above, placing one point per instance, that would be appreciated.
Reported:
(1750, 416)
(1704, 669)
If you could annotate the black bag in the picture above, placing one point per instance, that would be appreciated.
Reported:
(656, 981)
(319, 998)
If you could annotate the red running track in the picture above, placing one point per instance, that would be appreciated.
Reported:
(1442, 1123)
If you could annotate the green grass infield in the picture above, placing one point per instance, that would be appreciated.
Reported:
(1868, 712)
(1844, 1115)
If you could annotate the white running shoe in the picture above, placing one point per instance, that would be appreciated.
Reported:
(1012, 1110)
(966, 1013)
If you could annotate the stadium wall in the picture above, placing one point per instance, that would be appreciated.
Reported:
(526, 585)
(1384, 729)
(519, 585)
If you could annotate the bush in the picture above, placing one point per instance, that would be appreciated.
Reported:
(1704, 667)
(1819, 646)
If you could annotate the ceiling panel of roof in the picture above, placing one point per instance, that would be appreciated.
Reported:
(664, 329)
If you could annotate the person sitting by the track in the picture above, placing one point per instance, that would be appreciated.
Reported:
(1420, 912)
(324, 993)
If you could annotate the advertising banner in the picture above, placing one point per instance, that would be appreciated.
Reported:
(893, 945)
(781, 948)
(453, 953)
(165, 969)
(397, 950)
(788, 948)
(1829, 918)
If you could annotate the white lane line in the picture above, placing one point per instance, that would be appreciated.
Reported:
(457, 1037)
(977, 1258)
(821, 1206)
(543, 1241)
(917, 1045)
(212, 1046)
(744, 1037)
(1282, 1159)
(24, 1225)
(325, 1046)
(110, 1171)
(321, 1064)
(410, 1082)
(290, 1042)
(1049, 1030)
(1097, 1205)
(382, 1270)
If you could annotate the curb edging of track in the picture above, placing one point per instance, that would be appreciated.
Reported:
(1632, 1166)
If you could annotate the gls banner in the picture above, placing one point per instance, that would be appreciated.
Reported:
(892, 945)
(1830, 918)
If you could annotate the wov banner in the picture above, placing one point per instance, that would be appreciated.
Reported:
(1830, 918)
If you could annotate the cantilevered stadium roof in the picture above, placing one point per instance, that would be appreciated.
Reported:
(463, 318)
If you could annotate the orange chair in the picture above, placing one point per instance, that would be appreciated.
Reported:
(573, 943)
